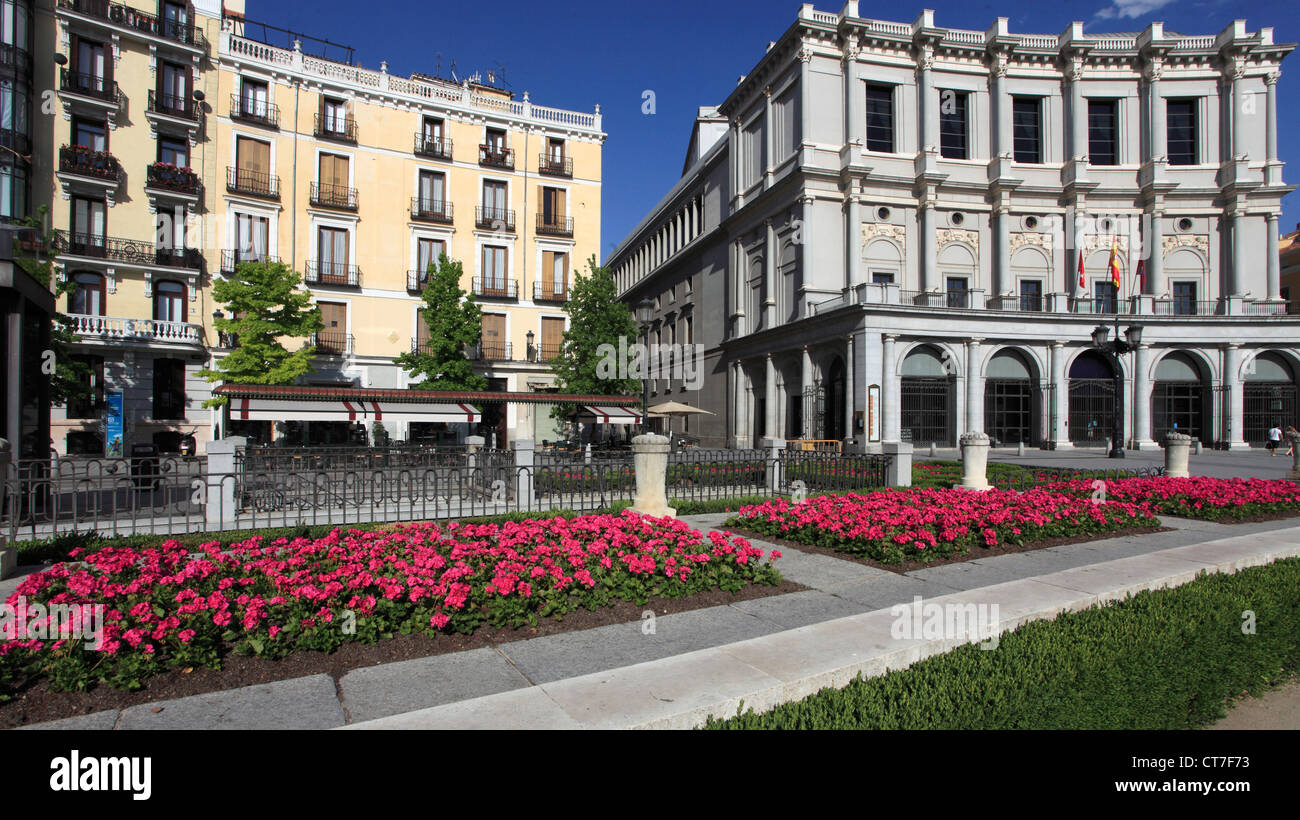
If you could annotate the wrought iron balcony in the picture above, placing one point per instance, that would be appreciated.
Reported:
(168, 177)
(255, 111)
(550, 292)
(135, 20)
(555, 166)
(495, 157)
(231, 259)
(418, 346)
(333, 196)
(93, 86)
(431, 210)
(433, 147)
(332, 127)
(113, 328)
(82, 161)
(552, 225)
(489, 352)
(335, 274)
(493, 288)
(172, 105)
(497, 219)
(332, 343)
(416, 280)
(116, 249)
(253, 183)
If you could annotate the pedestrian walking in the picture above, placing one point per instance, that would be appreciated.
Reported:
(1290, 440)
(1274, 439)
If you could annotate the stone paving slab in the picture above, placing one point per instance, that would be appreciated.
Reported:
(529, 708)
(880, 593)
(800, 608)
(405, 686)
(94, 722)
(300, 703)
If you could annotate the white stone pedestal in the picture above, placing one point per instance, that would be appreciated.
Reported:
(650, 458)
(974, 461)
(1177, 448)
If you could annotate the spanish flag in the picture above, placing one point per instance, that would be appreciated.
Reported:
(1142, 275)
(1082, 284)
(1114, 263)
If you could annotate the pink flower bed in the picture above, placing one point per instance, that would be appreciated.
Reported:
(166, 607)
(1197, 497)
(891, 526)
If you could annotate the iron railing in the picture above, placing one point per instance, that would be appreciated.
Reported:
(136, 20)
(332, 343)
(494, 157)
(170, 178)
(258, 112)
(494, 288)
(82, 161)
(489, 352)
(431, 210)
(1029, 476)
(498, 219)
(550, 292)
(172, 105)
(433, 147)
(333, 196)
(552, 225)
(117, 249)
(230, 259)
(337, 274)
(333, 127)
(555, 166)
(253, 183)
(94, 86)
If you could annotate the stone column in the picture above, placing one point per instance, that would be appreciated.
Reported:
(1274, 275)
(1156, 106)
(775, 448)
(1002, 105)
(1002, 279)
(1142, 398)
(1237, 270)
(929, 244)
(1156, 284)
(890, 392)
(852, 238)
(1235, 395)
(1078, 110)
(1177, 448)
(769, 410)
(974, 387)
(767, 137)
(850, 376)
(805, 96)
(219, 510)
(1060, 398)
(899, 471)
(1237, 73)
(974, 461)
(805, 384)
(1272, 168)
(929, 107)
(650, 460)
(855, 116)
(523, 478)
(769, 276)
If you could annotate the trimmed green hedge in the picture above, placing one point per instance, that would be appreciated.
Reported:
(1168, 659)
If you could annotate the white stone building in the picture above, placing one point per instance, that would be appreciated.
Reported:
(877, 238)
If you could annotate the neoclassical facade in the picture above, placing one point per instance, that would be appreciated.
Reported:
(894, 231)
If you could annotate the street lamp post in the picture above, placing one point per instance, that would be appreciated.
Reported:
(645, 313)
(1131, 339)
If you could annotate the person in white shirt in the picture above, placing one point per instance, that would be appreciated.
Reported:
(1274, 439)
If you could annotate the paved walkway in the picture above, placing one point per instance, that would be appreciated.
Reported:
(703, 662)
(1247, 463)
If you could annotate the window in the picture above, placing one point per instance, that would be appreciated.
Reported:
(958, 292)
(878, 278)
(1180, 125)
(553, 206)
(91, 71)
(495, 146)
(555, 150)
(86, 298)
(253, 165)
(334, 115)
(173, 87)
(174, 21)
(1031, 294)
(88, 224)
(1027, 130)
(880, 118)
(169, 302)
(784, 118)
(332, 339)
(433, 192)
(494, 271)
(427, 252)
(252, 237)
(1184, 298)
(169, 236)
(92, 134)
(1105, 297)
(254, 99)
(333, 186)
(174, 152)
(1103, 132)
(168, 389)
(952, 124)
(494, 199)
(493, 342)
(13, 192)
(332, 263)
(433, 130)
(554, 278)
(752, 152)
(14, 23)
(552, 337)
(89, 405)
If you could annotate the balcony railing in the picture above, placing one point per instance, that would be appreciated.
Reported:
(494, 157)
(82, 161)
(552, 225)
(89, 85)
(113, 328)
(116, 249)
(332, 343)
(498, 219)
(431, 210)
(493, 288)
(253, 183)
(231, 259)
(434, 147)
(170, 178)
(172, 105)
(255, 111)
(555, 166)
(336, 128)
(1105, 305)
(550, 292)
(489, 352)
(416, 280)
(333, 196)
(136, 20)
(418, 346)
(335, 274)
(546, 352)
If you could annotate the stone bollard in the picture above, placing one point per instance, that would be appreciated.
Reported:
(525, 461)
(974, 461)
(899, 471)
(8, 554)
(1293, 439)
(650, 457)
(775, 474)
(1196, 447)
(1020, 449)
(1177, 448)
(472, 445)
(220, 506)
(934, 449)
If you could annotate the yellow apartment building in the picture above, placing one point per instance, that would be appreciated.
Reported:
(186, 139)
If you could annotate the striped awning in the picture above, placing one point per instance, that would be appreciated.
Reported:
(607, 414)
(352, 411)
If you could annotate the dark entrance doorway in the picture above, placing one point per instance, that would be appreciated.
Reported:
(1180, 400)
(1092, 400)
(1011, 400)
(928, 398)
(835, 394)
(1269, 397)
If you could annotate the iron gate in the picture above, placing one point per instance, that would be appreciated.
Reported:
(1010, 410)
(1092, 411)
(1267, 404)
(814, 411)
(1181, 407)
(928, 409)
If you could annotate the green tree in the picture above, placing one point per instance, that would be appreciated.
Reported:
(596, 319)
(68, 376)
(455, 323)
(263, 305)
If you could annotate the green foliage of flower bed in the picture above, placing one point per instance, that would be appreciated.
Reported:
(1164, 659)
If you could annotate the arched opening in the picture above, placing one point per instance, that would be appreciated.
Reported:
(1180, 400)
(1269, 397)
(928, 398)
(835, 382)
(1011, 399)
(1092, 400)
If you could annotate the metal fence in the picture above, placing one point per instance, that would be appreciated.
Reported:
(1032, 476)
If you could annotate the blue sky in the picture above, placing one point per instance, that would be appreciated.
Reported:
(588, 52)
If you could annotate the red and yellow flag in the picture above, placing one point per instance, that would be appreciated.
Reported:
(1083, 285)
(1114, 263)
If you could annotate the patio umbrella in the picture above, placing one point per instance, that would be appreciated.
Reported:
(673, 408)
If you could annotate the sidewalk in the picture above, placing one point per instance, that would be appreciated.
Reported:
(693, 664)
